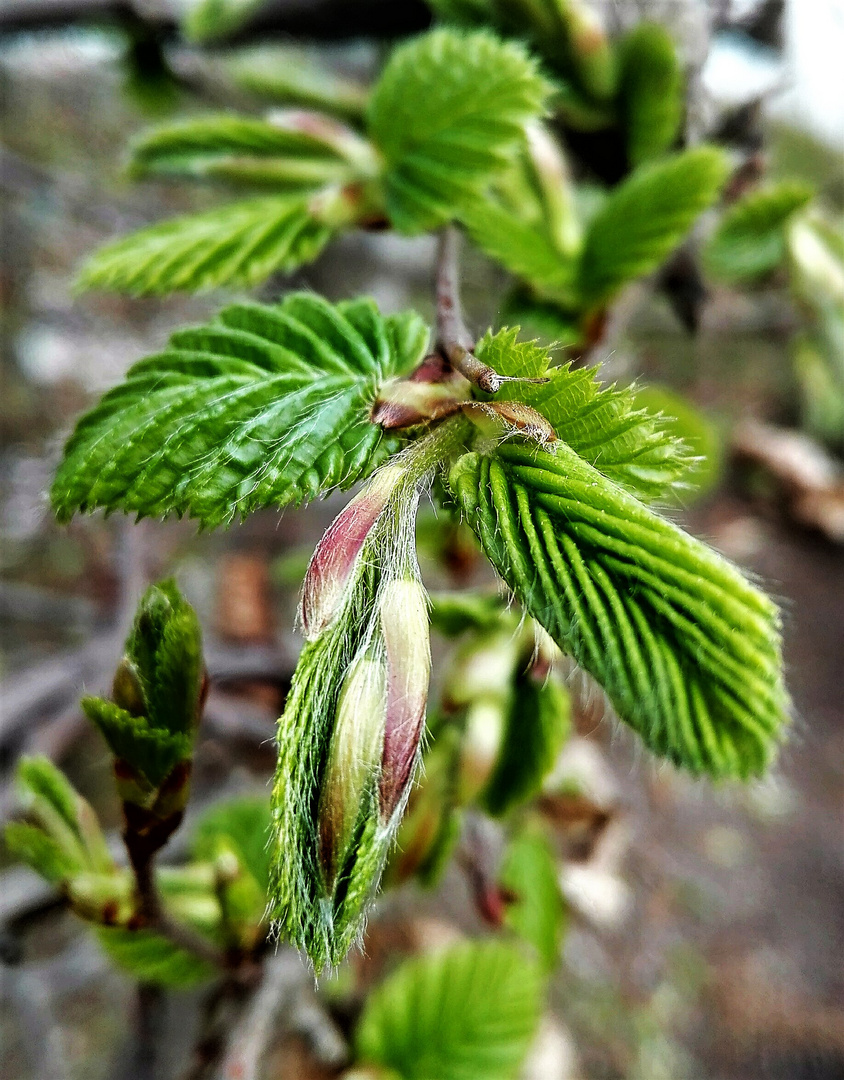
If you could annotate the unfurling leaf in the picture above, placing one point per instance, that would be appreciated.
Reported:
(265, 406)
(465, 1013)
(606, 426)
(751, 238)
(687, 651)
(645, 218)
(446, 113)
(289, 150)
(241, 243)
(157, 697)
(651, 91)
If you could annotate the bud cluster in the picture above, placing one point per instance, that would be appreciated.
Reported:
(350, 735)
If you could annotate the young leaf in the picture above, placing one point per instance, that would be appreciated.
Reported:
(211, 20)
(651, 92)
(245, 824)
(149, 958)
(630, 445)
(289, 150)
(264, 406)
(466, 1013)
(295, 76)
(242, 243)
(645, 218)
(446, 114)
(750, 239)
(687, 651)
(537, 912)
(535, 727)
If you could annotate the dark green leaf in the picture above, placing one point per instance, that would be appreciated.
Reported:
(651, 92)
(687, 651)
(446, 113)
(645, 218)
(466, 1013)
(536, 725)
(266, 405)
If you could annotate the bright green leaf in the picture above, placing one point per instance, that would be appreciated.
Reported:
(242, 243)
(645, 218)
(606, 426)
(687, 651)
(265, 406)
(652, 92)
(297, 76)
(149, 958)
(31, 845)
(466, 1013)
(537, 912)
(212, 20)
(245, 823)
(750, 239)
(447, 113)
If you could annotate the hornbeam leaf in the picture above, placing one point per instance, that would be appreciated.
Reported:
(465, 1013)
(241, 243)
(750, 240)
(266, 405)
(289, 150)
(645, 218)
(687, 651)
(446, 114)
(629, 444)
(651, 91)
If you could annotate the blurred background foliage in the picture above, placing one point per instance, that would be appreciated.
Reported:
(690, 931)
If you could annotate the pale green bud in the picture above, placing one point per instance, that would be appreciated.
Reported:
(354, 759)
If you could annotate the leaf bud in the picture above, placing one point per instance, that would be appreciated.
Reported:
(403, 610)
(331, 572)
(354, 759)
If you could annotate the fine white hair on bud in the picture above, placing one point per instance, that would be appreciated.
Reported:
(331, 571)
(354, 759)
(403, 610)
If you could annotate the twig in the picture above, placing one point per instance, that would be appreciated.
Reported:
(453, 335)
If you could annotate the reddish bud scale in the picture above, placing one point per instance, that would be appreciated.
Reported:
(404, 625)
(336, 555)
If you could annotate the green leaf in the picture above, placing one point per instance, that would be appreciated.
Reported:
(39, 779)
(466, 1013)
(446, 113)
(452, 613)
(536, 725)
(31, 845)
(750, 239)
(605, 426)
(297, 76)
(264, 406)
(538, 912)
(212, 20)
(652, 92)
(687, 651)
(687, 424)
(245, 824)
(645, 218)
(149, 958)
(242, 243)
(150, 751)
(291, 150)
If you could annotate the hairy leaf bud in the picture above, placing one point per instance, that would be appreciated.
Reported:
(403, 610)
(354, 758)
(332, 567)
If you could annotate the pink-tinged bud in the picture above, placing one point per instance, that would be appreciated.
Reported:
(336, 555)
(353, 760)
(404, 625)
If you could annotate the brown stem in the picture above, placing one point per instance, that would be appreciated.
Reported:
(453, 335)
